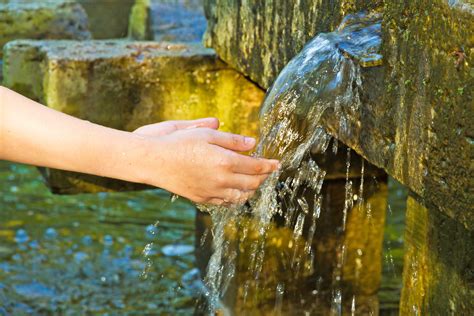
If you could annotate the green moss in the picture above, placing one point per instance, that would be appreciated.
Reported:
(42, 20)
(438, 253)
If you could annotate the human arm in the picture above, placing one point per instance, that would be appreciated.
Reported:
(191, 158)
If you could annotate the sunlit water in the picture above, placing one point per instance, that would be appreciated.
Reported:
(324, 76)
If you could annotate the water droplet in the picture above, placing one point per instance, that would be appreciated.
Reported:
(151, 231)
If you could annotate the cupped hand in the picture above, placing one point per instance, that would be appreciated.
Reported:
(204, 165)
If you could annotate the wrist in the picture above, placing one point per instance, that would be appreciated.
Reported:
(147, 163)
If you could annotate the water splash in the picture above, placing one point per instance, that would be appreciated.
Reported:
(323, 77)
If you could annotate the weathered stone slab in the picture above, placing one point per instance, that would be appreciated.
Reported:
(168, 20)
(125, 85)
(438, 276)
(418, 108)
(42, 20)
(259, 37)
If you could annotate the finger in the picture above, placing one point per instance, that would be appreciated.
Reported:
(232, 141)
(254, 166)
(247, 182)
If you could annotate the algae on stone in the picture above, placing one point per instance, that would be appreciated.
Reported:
(259, 38)
(125, 85)
(438, 275)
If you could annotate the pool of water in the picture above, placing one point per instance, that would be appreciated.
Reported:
(82, 254)
(74, 255)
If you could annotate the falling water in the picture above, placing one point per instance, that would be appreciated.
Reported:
(324, 75)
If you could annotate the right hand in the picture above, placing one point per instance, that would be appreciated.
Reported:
(203, 165)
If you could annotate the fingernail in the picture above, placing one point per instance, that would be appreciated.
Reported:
(249, 140)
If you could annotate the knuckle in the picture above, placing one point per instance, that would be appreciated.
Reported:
(225, 162)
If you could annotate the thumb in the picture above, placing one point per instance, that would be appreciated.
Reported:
(232, 141)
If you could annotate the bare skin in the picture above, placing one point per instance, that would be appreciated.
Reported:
(190, 158)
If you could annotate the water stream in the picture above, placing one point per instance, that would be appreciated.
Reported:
(326, 74)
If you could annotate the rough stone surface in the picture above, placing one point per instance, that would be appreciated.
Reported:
(125, 85)
(108, 18)
(259, 37)
(418, 111)
(42, 20)
(438, 278)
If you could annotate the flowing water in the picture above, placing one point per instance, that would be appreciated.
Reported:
(325, 75)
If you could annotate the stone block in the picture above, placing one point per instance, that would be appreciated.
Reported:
(259, 38)
(125, 85)
(108, 19)
(168, 20)
(42, 20)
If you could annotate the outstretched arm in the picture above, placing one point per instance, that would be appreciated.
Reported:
(189, 158)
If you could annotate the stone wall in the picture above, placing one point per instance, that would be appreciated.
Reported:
(416, 124)
(259, 37)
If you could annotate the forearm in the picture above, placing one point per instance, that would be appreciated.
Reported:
(34, 134)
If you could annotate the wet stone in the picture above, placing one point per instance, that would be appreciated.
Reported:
(34, 290)
(415, 115)
(259, 38)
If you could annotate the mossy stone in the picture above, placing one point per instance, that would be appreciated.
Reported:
(42, 20)
(125, 85)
